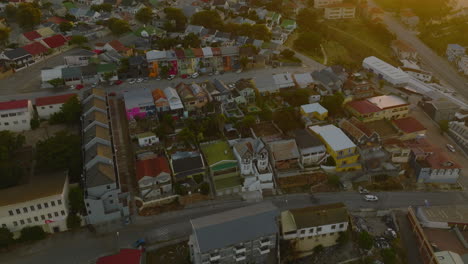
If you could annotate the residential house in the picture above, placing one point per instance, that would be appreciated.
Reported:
(283, 80)
(190, 10)
(288, 25)
(37, 50)
(148, 31)
(404, 51)
(358, 87)
(409, 18)
(186, 164)
(146, 139)
(463, 65)
(378, 108)
(247, 235)
(230, 56)
(28, 37)
(340, 11)
(125, 255)
(314, 111)
(85, 14)
(193, 96)
(72, 75)
(245, 91)
(48, 74)
(440, 109)
(137, 66)
(358, 132)
(40, 201)
(312, 151)
(454, 52)
(116, 45)
(252, 156)
(399, 151)
(303, 80)
(221, 4)
(309, 227)
(409, 128)
(272, 19)
(324, 3)
(160, 101)
(153, 176)
(385, 71)
(267, 131)
(16, 115)
(80, 57)
(175, 104)
(284, 154)
(17, 58)
(327, 82)
(458, 131)
(197, 30)
(46, 32)
(89, 74)
(49, 105)
(57, 42)
(339, 146)
(220, 93)
(139, 103)
(107, 72)
(433, 166)
(223, 167)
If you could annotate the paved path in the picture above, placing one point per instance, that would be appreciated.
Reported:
(83, 246)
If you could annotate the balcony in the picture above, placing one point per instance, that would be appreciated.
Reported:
(239, 250)
(215, 257)
(240, 257)
(264, 250)
(264, 243)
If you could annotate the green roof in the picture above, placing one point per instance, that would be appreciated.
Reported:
(228, 182)
(288, 23)
(69, 5)
(150, 30)
(217, 151)
(189, 53)
(108, 67)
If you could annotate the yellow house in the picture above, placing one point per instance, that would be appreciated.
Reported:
(339, 146)
(314, 111)
(379, 107)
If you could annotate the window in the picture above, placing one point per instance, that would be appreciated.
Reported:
(110, 196)
(56, 214)
(39, 206)
(341, 225)
(4, 115)
(42, 107)
(108, 187)
(18, 211)
(46, 205)
(4, 225)
(62, 212)
(25, 210)
(324, 235)
(15, 223)
(12, 114)
(111, 201)
(29, 220)
(311, 230)
(52, 203)
(49, 215)
(15, 122)
(36, 218)
(32, 208)
(6, 124)
(303, 231)
(50, 106)
(24, 121)
(333, 226)
(10, 212)
(89, 212)
(59, 202)
(319, 229)
(22, 222)
(43, 217)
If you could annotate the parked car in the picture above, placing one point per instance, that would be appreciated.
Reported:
(79, 86)
(184, 76)
(371, 198)
(391, 233)
(363, 190)
(451, 148)
(139, 80)
(195, 75)
(171, 77)
(239, 71)
(131, 81)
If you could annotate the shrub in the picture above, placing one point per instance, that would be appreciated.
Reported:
(205, 188)
(365, 240)
(334, 180)
(32, 233)
(198, 178)
(6, 237)
(318, 249)
(73, 221)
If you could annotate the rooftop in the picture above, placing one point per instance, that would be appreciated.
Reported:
(314, 216)
(284, 149)
(334, 137)
(19, 104)
(444, 213)
(125, 256)
(235, 226)
(217, 151)
(315, 107)
(387, 101)
(152, 167)
(305, 139)
(50, 100)
(137, 98)
(386, 68)
(409, 125)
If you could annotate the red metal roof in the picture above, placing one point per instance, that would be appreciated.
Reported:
(152, 167)
(57, 20)
(216, 51)
(198, 52)
(35, 48)
(364, 107)
(118, 46)
(180, 53)
(32, 35)
(438, 160)
(14, 104)
(125, 256)
(50, 100)
(408, 125)
(55, 41)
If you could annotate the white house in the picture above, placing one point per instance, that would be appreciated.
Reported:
(46, 106)
(153, 176)
(455, 51)
(463, 64)
(16, 115)
(385, 71)
(252, 156)
(147, 139)
(174, 100)
(313, 226)
(42, 201)
(340, 11)
(323, 3)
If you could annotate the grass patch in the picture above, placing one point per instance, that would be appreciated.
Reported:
(217, 151)
(439, 36)
(227, 182)
(337, 53)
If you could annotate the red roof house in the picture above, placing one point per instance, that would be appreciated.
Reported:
(125, 256)
(51, 100)
(409, 127)
(57, 20)
(32, 35)
(152, 167)
(36, 48)
(13, 105)
(364, 107)
(118, 46)
(55, 41)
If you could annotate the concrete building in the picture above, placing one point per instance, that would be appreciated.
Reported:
(312, 226)
(433, 166)
(340, 11)
(463, 64)
(16, 115)
(153, 176)
(458, 130)
(419, 74)
(244, 235)
(323, 3)
(187, 164)
(312, 151)
(339, 146)
(409, 128)
(358, 132)
(385, 71)
(42, 201)
(314, 111)
(46, 106)
(403, 50)
(147, 139)
(455, 51)
(443, 216)
(379, 107)
(284, 155)
(139, 103)
(440, 110)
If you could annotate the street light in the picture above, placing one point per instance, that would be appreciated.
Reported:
(117, 233)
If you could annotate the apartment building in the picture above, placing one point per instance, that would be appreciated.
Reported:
(312, 226)
(340, 11)
(46, 106)
(430, 165)
(458, 130)
(324, 3)
(339, 146)
(385, 71)
(16, 115)
(104, 199)
(378, 108)
(42, 201)
(244, 235)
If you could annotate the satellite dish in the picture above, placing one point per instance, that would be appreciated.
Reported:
(144, 34)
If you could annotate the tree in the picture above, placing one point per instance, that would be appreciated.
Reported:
(333, 103)
(6, 237)
(287, 119)
(70, 17)
(244, 61)
(75, 199)
(287, 53)
(343, 238)
(10, 11)
(308, 41)
(11, 170)
(317, 249)
(365, 240)
(334, 180)
(46, 5)
(306, 19)
(105, 7)
(118, 26)
(4, 35)
(73, 221)
(444, 126)
(144, 15)
(191, 41)
(187, 136)
(28, 16)
(78, 40)
(388, 256)
(65, 26)
(260, 31)
(178, 16)
(32, 233)
(180, 189)
(205, 188)
(69, 113)
(208, 19)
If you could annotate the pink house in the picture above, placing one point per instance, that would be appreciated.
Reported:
(139, 103)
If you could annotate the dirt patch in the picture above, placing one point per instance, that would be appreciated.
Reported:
(45, 131)
(301, 180)
(174, 254)
(160, 209)
(193, 198)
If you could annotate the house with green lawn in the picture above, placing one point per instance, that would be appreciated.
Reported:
(223, 167)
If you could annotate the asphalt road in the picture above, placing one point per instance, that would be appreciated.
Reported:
(83, 246)
(439, 66)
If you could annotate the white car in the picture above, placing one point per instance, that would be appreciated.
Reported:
(363, 190)
(139, 80)
(195, 75)
(131, 81)
(171, 77)
(451, 148)
(371, 198)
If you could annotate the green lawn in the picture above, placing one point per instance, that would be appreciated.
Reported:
(227, 182)
(336, 53)
(217, 151)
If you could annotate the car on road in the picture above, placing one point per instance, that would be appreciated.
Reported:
(239, 71)
(184, 76)
(195, 75)
(118, 82)
(131, 81)
(139, 80)
(363, 190)
(171, 77)
(450, 147)
(371, 198)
